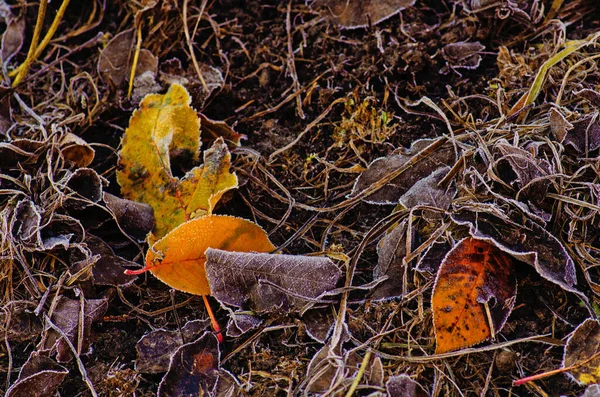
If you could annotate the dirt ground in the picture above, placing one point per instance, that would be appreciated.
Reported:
(317, 103)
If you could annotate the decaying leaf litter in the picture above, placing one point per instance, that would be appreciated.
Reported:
(378, 150)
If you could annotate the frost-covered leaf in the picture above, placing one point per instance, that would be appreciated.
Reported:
(166, 128)
(582, 346)
(390, 252)
(19, 321)
(40, 376)
(427, 191)
(66, 315)
(195, 370)
(381, 167)
(585, 135)
(179, 258)
(85, 187)
(12, 39)
(461, 55)
(319, 323)
(473, 274)
(268, 282)
(241, 322)
(559, 125)
(154, 350)
(526, 241)
(106, 267)
(530, 175)
(352, 14)
(403, 386)
(133, 217)
(76, 150)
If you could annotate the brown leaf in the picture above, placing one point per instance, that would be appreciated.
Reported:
(427, 192)
(212, 130)
(107, 268)
(194, 368)
(135, 218)
(559, 125)
(319, 323)
(461, 55)
(12, 39)
(585, 135)
(115, 59)
(18, 151)
(66, 317)
(19, 321)
(76, 150)
(393, 191)
(86, 189)
(403, 386)
(268, 282)
(154, 350)
(390, 252)
(241, 322)
(582, 345)
(352, 14)
(40, 376)
(473, 274)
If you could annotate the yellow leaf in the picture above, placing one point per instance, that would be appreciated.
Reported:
(163, 127)
(178, 259)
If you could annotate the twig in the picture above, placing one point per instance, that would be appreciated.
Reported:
(359, 375)
(34, 43)
(188, 39)
(136, 57)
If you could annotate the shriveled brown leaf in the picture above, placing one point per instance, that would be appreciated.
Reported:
(462, 55)
(559, 125)
(12, 39)
(319, 323)
(134, 217)
(76, 150)
(195, 368)
(393, 191)
(86, 187)
(106, 267)
(268, 282)
(390, 251)
(427, 191)
(403, 386)
(19, 321)
(241, 322)
(66, 317)
(582, 345)
(154, 350)
(40, 376)
(352, 14)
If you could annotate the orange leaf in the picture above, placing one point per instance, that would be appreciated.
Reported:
(473, 274)
(178, 259)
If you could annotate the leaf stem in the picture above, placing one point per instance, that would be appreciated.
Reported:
(24, 68)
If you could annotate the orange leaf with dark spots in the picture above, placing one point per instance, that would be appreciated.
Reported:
(474, 274)
(178, 259)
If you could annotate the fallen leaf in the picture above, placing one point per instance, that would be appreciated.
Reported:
(268, 282)
(527, 173)
(212, 129)
(86, 187)
(526, 241)
(319, 323)
(559, 125)
(76, 150)
(403, 386)
(135, 218)
(241, 322)
(427, 192)
(592, 391)
(19, 151)
(166, 127)
(381, 167)
(179, 258)
(376, 373)
(461, 55)
(195, 370)
(106, 267)
(390, 252)
(12, 39)
(352, 14)
(154, 350)
(66, 315)
(40, 376)
(473, 274)
(585, 135)
(19, 321)
(582, 348)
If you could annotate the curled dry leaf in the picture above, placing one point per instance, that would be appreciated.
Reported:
(461, 55)
(40, 376)
(381, 167)
(107, 268)
(583, 347)
(559, 125)
(19, 151)
(166, 127)
(527, 242)
(212, 129)
(585, 135)
(19, 321)
(86, 187)
(154, 350)
(530, 175)
(269, 282)
(475, 285)
(352, 14)
(76, 150)
(195, 370)
(178, 259)
(427, 192)
(133, 217)
(12, 39)
(241, 322)
(319, 323)
(404, 386)
(66, 315)
(390, 252)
